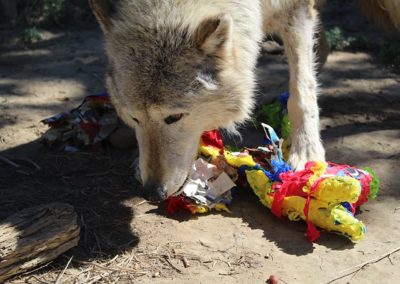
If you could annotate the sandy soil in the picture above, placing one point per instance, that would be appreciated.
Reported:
(127, 240)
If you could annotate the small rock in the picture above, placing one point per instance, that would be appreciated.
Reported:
(156, 274)
(272, 280)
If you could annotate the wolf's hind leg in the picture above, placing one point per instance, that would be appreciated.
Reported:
(298, 37)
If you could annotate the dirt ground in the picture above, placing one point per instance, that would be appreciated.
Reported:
(124, 239)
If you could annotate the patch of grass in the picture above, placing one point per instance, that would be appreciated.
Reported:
(337, 40)
(31, 35)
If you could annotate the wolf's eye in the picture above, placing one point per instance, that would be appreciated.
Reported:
(135, 119)
(173, 118)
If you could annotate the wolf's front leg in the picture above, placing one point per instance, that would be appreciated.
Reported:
(298, 36)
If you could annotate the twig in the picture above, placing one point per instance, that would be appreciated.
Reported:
(354, 275)
(343, 276)
(374, 260)
(228, 274)
(280, 279)
(185, 262)
(23, 173)
(112, 260)
(144, 215)
(39, 280)
(204, 244)
(127, 261)
(168, 260)
(37, 269)
(99, 277)
(73, 277)
(216, 250)
(7, 161)
(58, 280)
(35, 165)
(140, 203)
(120, 269)
(364, 264)
(391, 262)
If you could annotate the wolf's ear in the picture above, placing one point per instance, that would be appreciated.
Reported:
(214, 34)
(103, 10)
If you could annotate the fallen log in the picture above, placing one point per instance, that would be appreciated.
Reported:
(35, 236)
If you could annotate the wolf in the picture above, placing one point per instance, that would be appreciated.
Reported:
(180, 67)
(177, 68)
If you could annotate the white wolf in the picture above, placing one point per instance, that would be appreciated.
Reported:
(181, 67)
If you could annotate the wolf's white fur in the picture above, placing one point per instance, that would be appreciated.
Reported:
(166, 151)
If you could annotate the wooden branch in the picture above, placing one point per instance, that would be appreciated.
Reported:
(35, 236)
(364, 264)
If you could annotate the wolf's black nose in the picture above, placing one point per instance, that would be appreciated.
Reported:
(154, 192)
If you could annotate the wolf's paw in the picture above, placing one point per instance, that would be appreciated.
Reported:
(299, 156)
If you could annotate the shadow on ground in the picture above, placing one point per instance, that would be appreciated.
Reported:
(65, 66)
(99, 184)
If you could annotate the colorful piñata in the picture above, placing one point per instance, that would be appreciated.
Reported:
(325, 195)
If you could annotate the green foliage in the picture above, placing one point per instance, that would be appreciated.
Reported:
(53, 10)
(55, 13)
(360, 43)
(285, 127)
(271, 114)
(374, 185)
(276, 116)
(337, 40)
(231, 148)
(31, 35)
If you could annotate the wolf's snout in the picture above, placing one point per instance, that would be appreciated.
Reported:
(154, 192)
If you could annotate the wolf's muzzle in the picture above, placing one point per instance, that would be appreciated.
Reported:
(154, 192)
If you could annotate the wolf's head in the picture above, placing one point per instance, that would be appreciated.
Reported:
(172, 76)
